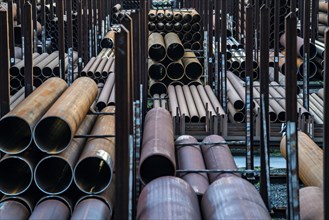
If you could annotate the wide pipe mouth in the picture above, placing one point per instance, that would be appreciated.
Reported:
(196, 36)
(175, 51)
(53, 175)
(175, 71)
(193, 70)
(282, 116)
(14, 71)
(157, 52)
(312, 69)
(107, 43)
(312, 53)
(239, 105)
(239, 117)
(195, 119)
(16, 175)
(93, 175)
(156, 166)
(158, 88)
(157, 71)
(196, 46)
(273, 117)
(47, 71)
(15, 135)
(52, 135)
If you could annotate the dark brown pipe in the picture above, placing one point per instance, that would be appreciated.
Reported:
(187, 16)
(171, 194)
(106, 92)
(169, 27)
(16, 127)
(108, 40)
(93, 171)
(158, 148)
(12, 209)
(87, 67)
(190, 158)
(234, 97)
(107, 68)
(175, 70)
(174, 47)
(311, 203)
(54, 174)
(156, 71)
(54, 132)
(193, 67)
(15, 70)
(51, 208)
(217, 156)
(156, 47)
(111, 101)
(37, 60)
(235, 194)
(92, 69)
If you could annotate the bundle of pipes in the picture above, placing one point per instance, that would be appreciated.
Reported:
(195, 103)
(44, 66)
(57, 156)
(184, 22)
(169, 64)
(160, 101)
(100, 67)
(322, 20)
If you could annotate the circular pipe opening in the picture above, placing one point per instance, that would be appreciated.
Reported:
(196, 46)
(238, 117)
(107, 43)
(47, 71)
(52, 135)
(193, 70)
(14, 71)
(194, 119)
(282, 116)
(53, 175)
(92, 175)
(235, 65)
(239, 105)
(175, 71)
(156, 166)
(157, 52)
(175, 51)
(273, 117)
(15, 135)
(157, 71)
(157, 88)
(16, 175)
(196, 37)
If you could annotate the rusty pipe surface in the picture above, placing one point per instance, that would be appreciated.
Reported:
(37, 68)
(300, 46)
(106, 92)
(217, 156)
(108, 67)
(16, 171)
(93, 68)
(183, 108)
(214, 101)
(311, 203)
(310, 160)
(156, 47)
(156, 71)
(158, 148)
(51, 208)
(168, 198)
(93, 171)
(54, 132)
(194, 116)
(174, 47)
(190, 158)
(193, 67)
(198, 103)
(235, 194)
(14, 210)
(54, 174)
(16, 126)
(173, 103)
(175, 70)
(108, 40)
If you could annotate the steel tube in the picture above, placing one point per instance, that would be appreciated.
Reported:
(171, 194)
(93, 172)
(234, 114)
(108, 67)
(87, 67)
(173, 103)
(54, 132)
(156, 88)
(49, 69)
(37, 69)
(158, 148)
(11, 209)
(310, 160)
(193, 67)
(183, 108)
(198, 103)
(108, 40)
(51, 208)
(190, 104)
(99, 69)
(311, 203)
(214, 101)
(156, 47)
(16, 127)
(157, 71)
(37, 60)
(54, 174)
(300, 46)
(235, 194)
(111, 101)
(156, 101)
(106, 92)
(234, 97)
(15, 70)
(205, 100)
(174, 47)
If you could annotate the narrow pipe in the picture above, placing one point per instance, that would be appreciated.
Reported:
(198, 103)
(106, 92)
(183, 108)
(173, 103)
(190, 104)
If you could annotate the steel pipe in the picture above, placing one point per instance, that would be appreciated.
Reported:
(190, 104)
(111, 101)
(214, 101)
(54, 174)
(183, 108)
(173, 103)
(310, 160)
(99, 69)
(168, 198)
(108, 40)
(16, 127)
(158, 148)
(15, 70)
(37, 60)
(235, 194)
(106, 92)
(108, 67)
(198, 103)
(156, 47)
(311, 203)
(156, 101)
(93, 172)
(51, 208)
(174, 47)
(11, 209)
(235, 115)
(157, 71)
(156, 88)
(206, 101)
(175, 70)
(234, 97)
(193, 67)
(49, 69)
(54, 132)
(300, 46)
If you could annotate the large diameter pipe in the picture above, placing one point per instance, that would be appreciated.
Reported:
(168, 198)
(214, 101)
(310, 160)
(190, 158)
(194, 117)
(54, 174)
(300, 46)
(16, 126)
(193, 67)
(54, 132)
(106, 92)
(311, 203)
(156, 71)
(158, 148)
(93, 171)
(156, 47)
(217, 156)
(51, 208)
(175, 70)
(108, 40)
(11, 209)
(183, 108)
(198, 103)
(238, 196)
(156, 88)
(174, 47)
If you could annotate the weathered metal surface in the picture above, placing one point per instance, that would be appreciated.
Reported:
(168, 198)
(51, 208)
(193, 68)
(15, 210)
(311, 203)
(156, 47)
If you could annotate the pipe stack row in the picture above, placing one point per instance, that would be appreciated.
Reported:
(44, 66)
(170, 64)
(322, 20)
(184, 22)
(195, 103)
(48, 163)
(189, 195)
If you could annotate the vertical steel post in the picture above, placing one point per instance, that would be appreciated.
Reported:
(264, 105)
(315, 10)
(80, 33)
(223, 55)
(306, 52)
(69, 41)
(28, 43)
(90, 28)
(85, 32)
(61, 37)
(35, 28)
(22, 2)
(95, 25)
(210, 40)
(326, 128)
(291, 116)
(122, 123)
(4, 64)
(242, 26)
(293, 6)
(276, 39)
(11, 32)
(249, 91)
(43, 26)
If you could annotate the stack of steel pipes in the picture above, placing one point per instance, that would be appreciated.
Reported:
(319, 59)
(106, 93)
(100, 67)
(180, 195)
(51, 170)
(323, 20)
(44, 66)
(184, 22)
(170, 64)
(195, 103)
